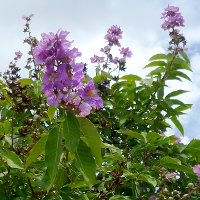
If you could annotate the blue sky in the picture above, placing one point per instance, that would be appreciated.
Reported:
(88, 21)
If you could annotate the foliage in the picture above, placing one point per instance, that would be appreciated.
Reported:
(51, 151)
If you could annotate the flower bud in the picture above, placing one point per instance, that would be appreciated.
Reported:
(36, 117)
(175, 192)
(190, 185)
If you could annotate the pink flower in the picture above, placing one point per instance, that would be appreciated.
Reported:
(177, 141)
(172, 18)
(153, 197)
(27, 17)
(115, 60)
(84, 109)
(184, 48)
(18, 54)
(105, 49)
(171, 175)
(196, 170)
(126, 52)
(113, 35)
(97, 59)
(90, 95)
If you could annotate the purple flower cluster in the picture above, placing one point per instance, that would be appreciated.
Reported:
(113, 35)
(97, 59)
(63, 75)
(173, 20)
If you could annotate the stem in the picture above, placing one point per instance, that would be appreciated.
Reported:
(162, 80)
(29, 184)
(189, 194)
(12, 126)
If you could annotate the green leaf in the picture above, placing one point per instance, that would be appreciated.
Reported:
(174, 75)
(175, 164)
(193, 148)
(156, 63)
(71, 131)
(157, 71)
(38, 149)
(106, 75)
(37, 87)
(177, 124)
(92, 137)
(25, 81)
(184, 55)
(53, 150)
(133, 134)
(181, 64)
(106, 145)
(175, 93)
(171, 102)
(170, 160)
(120, 197)
(12, 159)
(61, 177)
(158, 57)
(131, 77)
(3, 192)
(147, 82)
(182, 108)
(152, 136)
(147, 178)
(85, 163)
(160, 92)
(51, 112)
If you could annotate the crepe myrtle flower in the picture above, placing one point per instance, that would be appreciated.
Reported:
(105, 49)
(177, 141)
(171, 175)
(82, 109)
(18, 54)
(90, 95)
(113, 35)
(196, 170)
(97, 59)
(115, 60)
(28, 18)
(54, 47)
(126, 52)
(63, 75)
(172, 18)
(153, 197)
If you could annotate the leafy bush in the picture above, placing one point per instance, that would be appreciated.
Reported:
(61, 138)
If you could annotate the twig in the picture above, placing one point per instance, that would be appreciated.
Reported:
(162, 80)
(187, 195)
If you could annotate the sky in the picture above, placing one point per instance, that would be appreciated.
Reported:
(88, 20)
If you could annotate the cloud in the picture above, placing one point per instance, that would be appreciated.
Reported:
(88, 21)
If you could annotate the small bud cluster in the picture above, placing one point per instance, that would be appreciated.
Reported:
(63, 75)
(174, 19)
(31, 41)
(14, 90)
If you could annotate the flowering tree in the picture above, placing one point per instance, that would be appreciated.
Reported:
(66, 135)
